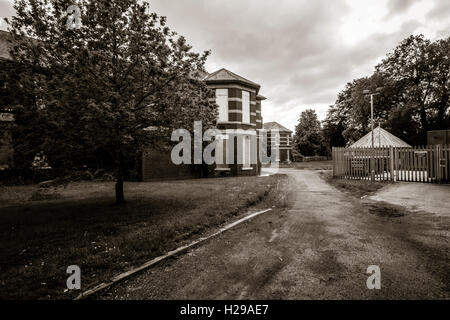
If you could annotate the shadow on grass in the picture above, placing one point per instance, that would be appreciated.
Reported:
(40, 239)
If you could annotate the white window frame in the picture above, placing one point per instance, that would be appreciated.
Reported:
(222, 102)
(221, 152)
(247, 153)
(245, 106)
(277, 137)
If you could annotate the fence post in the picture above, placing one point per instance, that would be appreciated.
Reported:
(391, 163)
(334, 162)
(438, 162)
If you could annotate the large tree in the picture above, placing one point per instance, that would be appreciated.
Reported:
(415, 82)
(340, 124)
(422, 69)
(308, 139)
(101, 82)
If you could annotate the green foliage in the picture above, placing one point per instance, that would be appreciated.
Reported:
(415, 81)
(308, 139)
(100, 86)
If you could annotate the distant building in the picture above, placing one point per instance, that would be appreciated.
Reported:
(6, 117)
(5, 45)
(284, 144)
(382, 138)
(438, 137)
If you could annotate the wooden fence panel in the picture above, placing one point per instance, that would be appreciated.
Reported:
(438, 168)
(391, 164)
(427, 164)
(411, 165)
(408, 151)
(367, 158)
(445, 163)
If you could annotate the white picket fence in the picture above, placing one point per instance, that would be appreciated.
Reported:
(429, 164)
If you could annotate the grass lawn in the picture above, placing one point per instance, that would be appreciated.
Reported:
(41, 234)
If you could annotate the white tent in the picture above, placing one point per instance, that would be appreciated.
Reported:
(382, 138)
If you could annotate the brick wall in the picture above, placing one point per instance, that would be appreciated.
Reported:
(6, 149)
(438, 137)
(157, 165)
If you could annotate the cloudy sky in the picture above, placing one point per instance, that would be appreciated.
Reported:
(302, 52)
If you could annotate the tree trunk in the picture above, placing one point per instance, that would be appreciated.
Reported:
(120, 198)
(423, 119)
(441, 112)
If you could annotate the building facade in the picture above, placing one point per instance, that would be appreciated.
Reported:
(239, 120)
(283, 143)
(441, 137)
(240, 123)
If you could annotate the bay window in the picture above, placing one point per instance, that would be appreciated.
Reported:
(247, 152)
(245, 106)
(222, 102)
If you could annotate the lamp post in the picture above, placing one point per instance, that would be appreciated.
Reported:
(372, 162)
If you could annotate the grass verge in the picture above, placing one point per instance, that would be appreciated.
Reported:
(356, 188)
(79, 226)
(363, 188)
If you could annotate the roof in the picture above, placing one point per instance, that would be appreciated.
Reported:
(199, 74)
(5, 45)
(382, 138)
(260, 97)
(224, 75)
(275, 126)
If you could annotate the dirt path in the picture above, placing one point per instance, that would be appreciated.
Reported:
(318, 248)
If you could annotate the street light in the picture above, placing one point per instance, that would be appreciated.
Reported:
(377, 92)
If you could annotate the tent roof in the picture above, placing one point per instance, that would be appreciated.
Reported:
(382, 138)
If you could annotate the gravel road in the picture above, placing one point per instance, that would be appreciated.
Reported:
(318, 248)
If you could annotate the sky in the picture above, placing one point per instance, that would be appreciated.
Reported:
(301, 52)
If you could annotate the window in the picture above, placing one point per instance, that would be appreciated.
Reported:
(277, 136)
(221, 152)
(245, 106)
(247, 151)
(222, 102)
